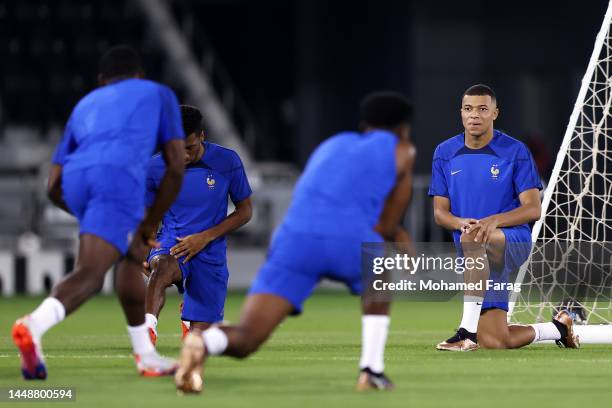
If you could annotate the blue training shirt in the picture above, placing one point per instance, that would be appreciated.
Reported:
(486, 181)
(203, 199)
(344, 186)
(120, 125)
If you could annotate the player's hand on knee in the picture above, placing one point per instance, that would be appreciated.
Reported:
(466, 223)
(486, 228)
(190, 245)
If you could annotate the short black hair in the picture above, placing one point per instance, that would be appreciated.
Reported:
(120, 60)
(480, 89)
(192, 119)
(386, 110)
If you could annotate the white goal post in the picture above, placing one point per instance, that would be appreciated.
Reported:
(576, 222)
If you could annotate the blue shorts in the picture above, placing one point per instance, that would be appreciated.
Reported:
(204, 288)
(107, 201)
(516, 252)
(298, 261)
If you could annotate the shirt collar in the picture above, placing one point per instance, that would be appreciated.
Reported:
(491, 146)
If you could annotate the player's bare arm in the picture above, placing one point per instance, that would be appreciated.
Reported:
(446, 219)
(389, 224)
(174, 156)
(54, 187)
(190, 245)
(146, 267)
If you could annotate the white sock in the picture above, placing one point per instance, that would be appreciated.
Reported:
(215, 340)
(151, 321)
(545, 331)
(472, 305)
(374, 329)
(50, 312)
(141, 342)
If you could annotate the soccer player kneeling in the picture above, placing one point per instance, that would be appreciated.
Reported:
(192, 252)
(485, 190)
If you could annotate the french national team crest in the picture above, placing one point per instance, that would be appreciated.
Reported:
(494, 171)
(210, 181)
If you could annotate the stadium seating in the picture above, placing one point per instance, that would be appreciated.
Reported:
(49, 54)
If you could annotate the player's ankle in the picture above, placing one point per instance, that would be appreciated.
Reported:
(371, 372)
(50, 312)
(141, 342)
(561, 327)
(466, 334)
(215, 340)
(151, 320)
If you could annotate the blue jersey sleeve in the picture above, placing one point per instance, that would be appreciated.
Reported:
(239, 188)
(438, 185)
(525, 175)
(66, 146)
(170, 122)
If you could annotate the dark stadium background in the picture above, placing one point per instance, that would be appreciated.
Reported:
(287, 74)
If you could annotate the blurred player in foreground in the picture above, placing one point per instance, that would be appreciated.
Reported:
(98, 175)
(192, 255)
(485, 190)
(355, 188)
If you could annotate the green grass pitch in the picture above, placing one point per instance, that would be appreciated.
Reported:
(311, 361)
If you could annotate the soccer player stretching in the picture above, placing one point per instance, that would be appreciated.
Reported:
(98, 175)
(192, 253)
(485, 190)
(355, 188)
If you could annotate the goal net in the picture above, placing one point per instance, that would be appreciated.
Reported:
(571, 259)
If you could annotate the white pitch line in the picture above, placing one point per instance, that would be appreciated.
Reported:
(128, 356)
(77, 356)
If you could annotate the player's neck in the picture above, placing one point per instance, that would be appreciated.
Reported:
(478, 142)
(201, 153)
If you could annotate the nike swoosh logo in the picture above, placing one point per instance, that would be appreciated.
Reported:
(455, 172)
(479, 303)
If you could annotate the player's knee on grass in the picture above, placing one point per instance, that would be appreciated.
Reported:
(493, 332)
(164, 270)
(488, 341)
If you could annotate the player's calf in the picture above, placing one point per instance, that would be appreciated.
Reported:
(487, 341)
(244, 341)
(163, 272)
(465, 338)
(374, 330)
